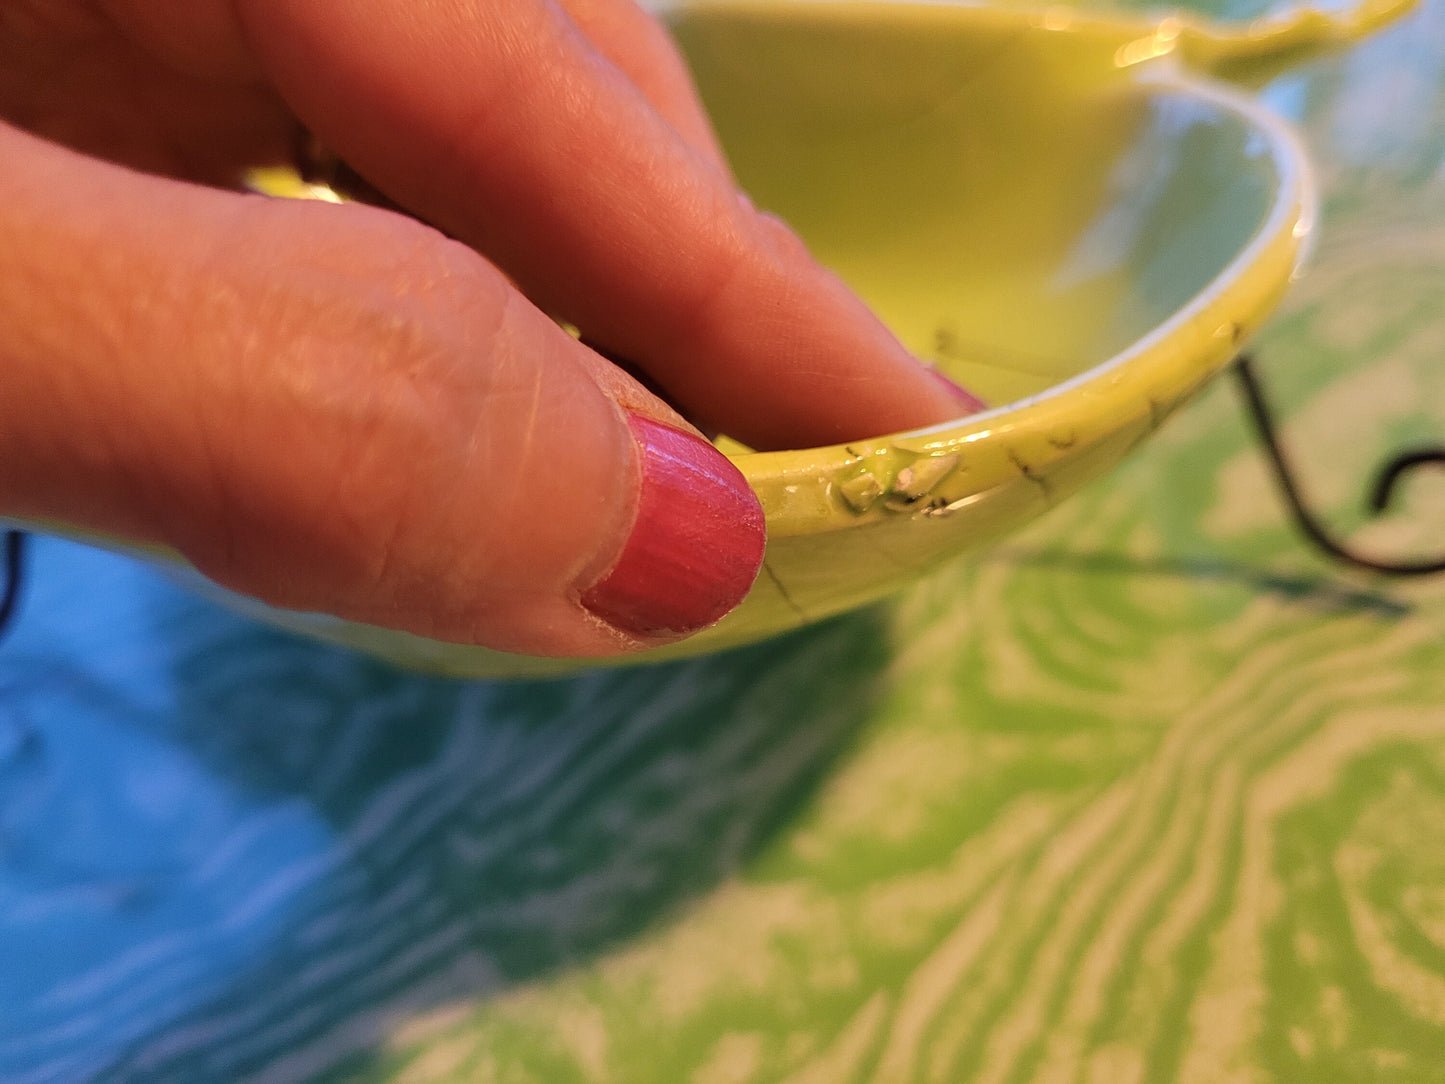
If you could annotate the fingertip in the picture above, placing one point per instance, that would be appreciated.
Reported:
(961, 401)
(696, 542)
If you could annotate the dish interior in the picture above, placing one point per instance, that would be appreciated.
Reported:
(1012, 205)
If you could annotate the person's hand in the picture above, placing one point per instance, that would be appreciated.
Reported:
(336, 407)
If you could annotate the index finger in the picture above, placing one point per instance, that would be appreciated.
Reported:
(638, 45)
(500, 123)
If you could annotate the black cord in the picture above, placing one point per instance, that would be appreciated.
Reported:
(12, 556)
(1383, 490)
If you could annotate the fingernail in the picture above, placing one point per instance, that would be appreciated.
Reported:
(970, 403)
(696, 544)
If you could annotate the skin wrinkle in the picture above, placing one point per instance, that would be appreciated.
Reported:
(209, 530)
(317, 382)
(490, 119)
(707, 313)
(494, 118)
(364, 492)
(711, 276)
(736, 257)
(375, 516)
(72, 311)
(477, 450)
(531, 447)
(447, 482)
(642, 52)
(195, 294)
(528, 487)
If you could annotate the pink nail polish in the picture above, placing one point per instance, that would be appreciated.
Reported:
(971, 403)
(696, 544)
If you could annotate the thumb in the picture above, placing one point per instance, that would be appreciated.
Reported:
(334, 408)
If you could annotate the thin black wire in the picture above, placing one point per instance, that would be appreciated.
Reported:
(1391, 472)
(12, 556)
(1384, 488)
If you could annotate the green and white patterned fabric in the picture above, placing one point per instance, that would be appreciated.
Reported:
(1148, 793)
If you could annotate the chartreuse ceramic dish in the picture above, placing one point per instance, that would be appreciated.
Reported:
(1046, 203)
(1240, 39)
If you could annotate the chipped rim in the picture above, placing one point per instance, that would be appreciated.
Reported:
(1168, 362)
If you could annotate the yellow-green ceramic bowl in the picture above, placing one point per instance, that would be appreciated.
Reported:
(1046, 203)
